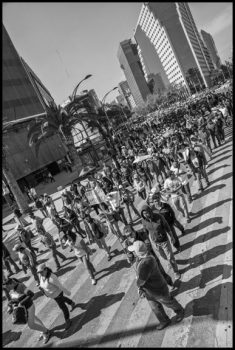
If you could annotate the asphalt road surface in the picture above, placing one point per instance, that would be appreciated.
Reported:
(110, 314)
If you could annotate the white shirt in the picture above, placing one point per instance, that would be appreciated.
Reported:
(181, 173)
(172, 185)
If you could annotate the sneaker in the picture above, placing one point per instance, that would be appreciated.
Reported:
(188, 220)
(163, 325)
(180, 316)
(46, 337)
(177, 275)
(93, 281)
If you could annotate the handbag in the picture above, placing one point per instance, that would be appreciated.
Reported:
(19, 315)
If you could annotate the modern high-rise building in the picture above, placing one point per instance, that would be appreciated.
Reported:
(210, 44)
(130, 63)
(171, 29)
(24, 96)
(148, 57)
(124, 90)
(156, 83)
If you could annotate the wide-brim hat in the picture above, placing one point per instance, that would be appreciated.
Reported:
(139, 248)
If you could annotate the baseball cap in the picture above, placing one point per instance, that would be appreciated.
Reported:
(139, 248)
(41, 267)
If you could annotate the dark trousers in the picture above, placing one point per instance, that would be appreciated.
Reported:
(157, 303)
(186, 190)
(176, 242)
(142, 194)
(131, 205)
(61, 301)
(201, 172)
(178, 225)
(32, 249)
(56, 253)
(7, 262)
(213, 136)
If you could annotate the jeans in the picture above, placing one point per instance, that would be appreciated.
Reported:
(165, 250)
(89, 266)
(188, 192)
(180, 204)
(176, 242)
(56, 253)
(102, 244)
(201, 172)
(61, 301)
(157, 306)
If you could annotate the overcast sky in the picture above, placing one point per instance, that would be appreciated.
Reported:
(63, 42)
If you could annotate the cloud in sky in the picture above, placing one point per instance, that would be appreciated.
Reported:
(219, 23)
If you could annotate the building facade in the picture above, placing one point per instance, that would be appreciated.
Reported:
(130, 63)
(170, 27)
(211, 47)
(24, 95)
(124, 90)
(156, 83)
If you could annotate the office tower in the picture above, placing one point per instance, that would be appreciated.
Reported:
(130, 63)
(171, 29)
(210, 44)
(121, 100)
(124, 90)
(156, 84)
(148, 57)
(24, 96)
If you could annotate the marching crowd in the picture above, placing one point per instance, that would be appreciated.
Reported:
(157, 162)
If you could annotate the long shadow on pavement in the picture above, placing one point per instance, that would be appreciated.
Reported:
(224, 177)
(10, 336)
(97, 303)
(220, 160)
(208, 190)
(204, 257)
(209, 304)
(63, 270)
(215, 169)
(117, 266)
(221, 152)
(204, 224)
(209, 208)
(207, 275)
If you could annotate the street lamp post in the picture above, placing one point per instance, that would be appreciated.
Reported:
(75, 90)
(103, 103)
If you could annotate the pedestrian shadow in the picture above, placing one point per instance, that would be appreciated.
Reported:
(207, 191)
(96, 304)
(202, 280)
(204, 224)
(41, 261)
(215, 169)
(224, 177)
(10, 336)
(24, 279)
(218, 150)
(63, 270)
(43, 252)
(116, 252)
(117, 266)
(210, 207)
(210, 304)
(220, 159)
(204, 257)
(37, 295)
(203, 238)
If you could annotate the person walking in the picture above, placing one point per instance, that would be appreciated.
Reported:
(98, 232)
(81, 251)
(40, 206)
(26, 260)
(49, 243)
(173, 186)
(152, 285)
(37, 222)
(158, 231)
(54, 289)
(19, 217)
(110, 219)
(20, 295)
(128, 199)
(7, 260)
(140, 186)
(181, 172)
(25, 237)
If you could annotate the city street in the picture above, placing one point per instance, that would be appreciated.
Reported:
(111, 314)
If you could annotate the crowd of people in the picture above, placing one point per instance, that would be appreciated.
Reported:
(156, 163)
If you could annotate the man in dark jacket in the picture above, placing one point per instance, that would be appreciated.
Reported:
(152, 285)
(165, 209)
(158, 230)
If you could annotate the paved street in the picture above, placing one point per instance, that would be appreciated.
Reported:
(111, 314)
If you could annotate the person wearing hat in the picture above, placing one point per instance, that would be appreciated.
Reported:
(54, 289)
(19, 294)
(26, 260)
(152, 285)
(159, 232)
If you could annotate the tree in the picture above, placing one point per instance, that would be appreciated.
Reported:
(11, 181)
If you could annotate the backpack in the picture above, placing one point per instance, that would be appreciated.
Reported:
(19, 315)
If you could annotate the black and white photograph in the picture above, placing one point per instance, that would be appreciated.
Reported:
(117, 174)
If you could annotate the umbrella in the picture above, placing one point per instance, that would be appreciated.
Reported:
(86, 170)
(141, 158)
